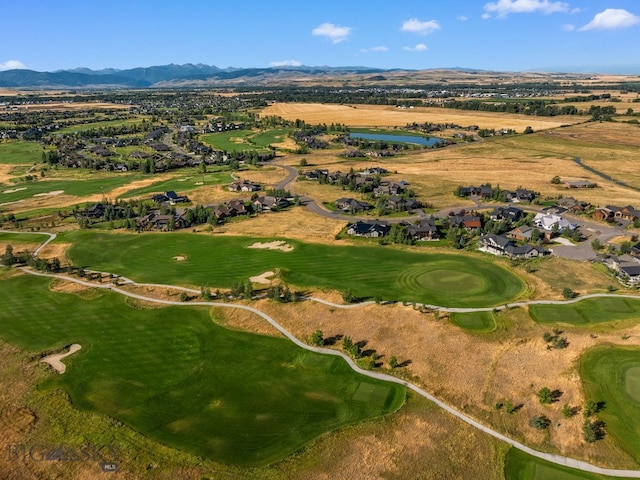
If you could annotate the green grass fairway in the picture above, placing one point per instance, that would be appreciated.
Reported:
(20, 152)
(591, 311)
(181, 184)
(391, 273)
(522, 466)
(244, 140)
(77, 188)
(179, 378)
(481, 322)
(16, 239)
(612, 374)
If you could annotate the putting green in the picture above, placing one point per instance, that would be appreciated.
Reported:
(632, 383)
(427, 278)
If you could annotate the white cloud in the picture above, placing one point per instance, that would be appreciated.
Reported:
(286, 63)
(381, 48)
(567, 27)
(12, 65)
(462, 18)
(502, 8)
(485, 16)
(414, 25)
(335, 33)
(421, 47)
(611, 19)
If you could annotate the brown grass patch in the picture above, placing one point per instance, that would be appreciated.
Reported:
(5, 175)
(56, 250)
(508, 365)
(386, 116)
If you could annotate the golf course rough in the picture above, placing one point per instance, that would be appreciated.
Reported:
(176, 376)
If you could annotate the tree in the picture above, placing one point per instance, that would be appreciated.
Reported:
(317, 338)
(592, 430)
(540, 422)
(535, 235)
(595, 244)
(205, 293)
(545, 395)
(567, 293)
(347, 296)
(556, 180)
(8, 258)
(393, 362)
(248, 289)
(568, 411)
(303, 162)
(528, 130)
(346, 342)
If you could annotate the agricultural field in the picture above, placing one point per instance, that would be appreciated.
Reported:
(612, 375)
(588, 312)
(152, 372)
(438, 278)
(384, 116)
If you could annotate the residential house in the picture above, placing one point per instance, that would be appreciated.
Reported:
(572, 205)
(269, 203)
(370, 229)
(605, 214)
(552, 222)
(501, 245)
(627, 268)
(521, 234)
(627, 213)
(501, 214)
(425, 230)
(468, 222)
(351, 205)
(174, 198)
(244, 186)
(389, 188)
(579, 184)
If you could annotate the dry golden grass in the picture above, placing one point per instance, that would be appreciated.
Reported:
(62, 106)
(508, 365)
(386, 116)
(5, 175)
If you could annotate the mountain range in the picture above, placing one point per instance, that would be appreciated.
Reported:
(162, 76)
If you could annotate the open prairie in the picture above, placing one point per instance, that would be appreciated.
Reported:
(386, 116)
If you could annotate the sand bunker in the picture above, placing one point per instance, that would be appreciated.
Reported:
(276, 245)
(14, 190)
(180, 258)
(10, 203)
(55, 359)
(264, 278)
(49, 194)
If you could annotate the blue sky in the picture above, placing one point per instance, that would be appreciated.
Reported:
(506, 35)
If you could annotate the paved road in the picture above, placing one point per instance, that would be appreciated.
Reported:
(557, 459)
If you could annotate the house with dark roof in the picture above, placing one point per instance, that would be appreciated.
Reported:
(502, 214)
(501, 245)
(351, 205)
(425, 230)
(369, 229)
(174, 198)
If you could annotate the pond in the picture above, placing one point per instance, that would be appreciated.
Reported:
(424, 141)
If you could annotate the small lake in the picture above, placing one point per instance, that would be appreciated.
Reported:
(425, 141)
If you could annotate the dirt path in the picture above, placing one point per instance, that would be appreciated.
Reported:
(55, 360)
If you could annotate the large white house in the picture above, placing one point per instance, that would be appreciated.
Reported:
(549, 221)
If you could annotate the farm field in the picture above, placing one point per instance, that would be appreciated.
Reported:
(438, 278)
(522, 466)
(385, 116)
(587, 312)
(175, 375)
(612, 374)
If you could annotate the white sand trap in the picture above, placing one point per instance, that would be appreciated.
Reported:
(14, 190)
(183, 179)
(276, 245)
(55, 360)
(199, 183)
(10, 203)
(180, 258)
(264, 278)
(49, 194)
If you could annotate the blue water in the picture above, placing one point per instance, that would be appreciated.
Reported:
(425, 141)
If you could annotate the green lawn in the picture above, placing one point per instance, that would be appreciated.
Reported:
(591, 311)
(239, 140)
(522, 466)
(16, 239)
(480, 322)
(369, 271)
(181, 184)
(20, 152)
(99, 124)
(612, 374)
(78, 188)
(179, 378)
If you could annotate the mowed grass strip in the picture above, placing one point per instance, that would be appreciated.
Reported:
(611, 374)
(590, 311)
(522, 466)
(20, 152)
(181, 184)
(77, 188)
(244, 140)
(368, 271)
(480, 322)
(179, 378)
